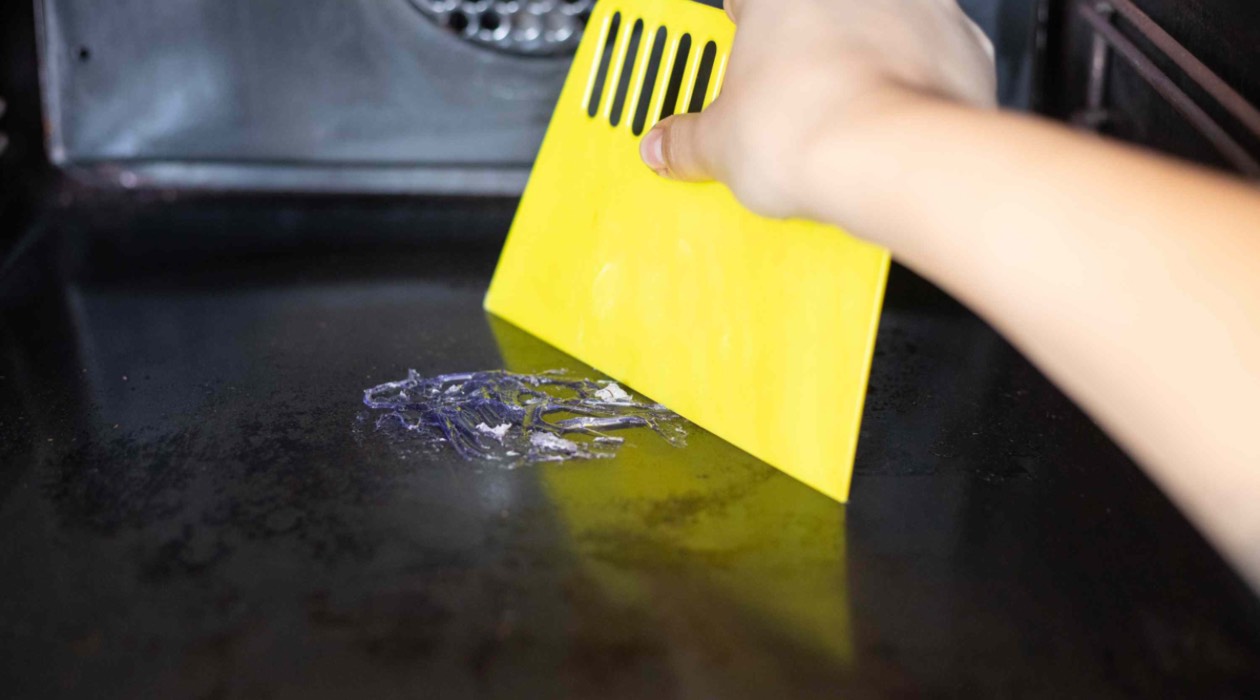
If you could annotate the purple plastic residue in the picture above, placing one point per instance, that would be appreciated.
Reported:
(499, 415)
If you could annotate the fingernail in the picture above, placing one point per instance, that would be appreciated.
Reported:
(652, 150)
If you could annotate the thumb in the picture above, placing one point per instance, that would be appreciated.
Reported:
(677, 148)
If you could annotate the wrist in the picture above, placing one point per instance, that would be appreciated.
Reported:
(858, 175)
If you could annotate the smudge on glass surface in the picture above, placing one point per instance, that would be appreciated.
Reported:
(499, 415)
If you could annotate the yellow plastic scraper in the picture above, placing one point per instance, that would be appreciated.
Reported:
(760, 331)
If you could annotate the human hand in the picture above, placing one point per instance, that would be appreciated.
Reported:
(806, 70)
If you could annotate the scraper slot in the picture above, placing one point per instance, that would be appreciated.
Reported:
(652, 70)
(626, 74)
(616, 69)
(677, 71)
(689, 81)
(700, 86)
(595, 88)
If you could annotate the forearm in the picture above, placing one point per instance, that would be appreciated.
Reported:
(1130, 280)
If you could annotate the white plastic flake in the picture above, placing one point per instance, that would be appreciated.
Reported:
(497, 431)
(550, 442)
(613, 393)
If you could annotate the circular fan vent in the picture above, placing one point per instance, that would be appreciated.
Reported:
(527, 27)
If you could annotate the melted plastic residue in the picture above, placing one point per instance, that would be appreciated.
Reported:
(499, 415)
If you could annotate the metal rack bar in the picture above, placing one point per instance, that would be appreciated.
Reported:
(1229, 98)
(1099, 16)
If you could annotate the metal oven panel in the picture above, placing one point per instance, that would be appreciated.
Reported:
(356, 95)
(380, 96)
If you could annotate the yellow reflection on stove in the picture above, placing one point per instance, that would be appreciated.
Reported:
(686, 536)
